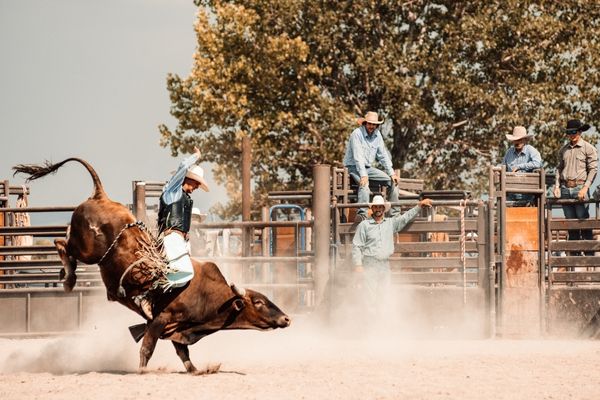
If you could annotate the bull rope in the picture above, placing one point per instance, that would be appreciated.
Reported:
(139, 224)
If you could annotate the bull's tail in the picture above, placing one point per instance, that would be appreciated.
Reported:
(138, 331)
(38, 171)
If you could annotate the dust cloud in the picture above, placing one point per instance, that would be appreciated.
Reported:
(406, 347)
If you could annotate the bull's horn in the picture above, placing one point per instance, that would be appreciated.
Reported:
(239, 292)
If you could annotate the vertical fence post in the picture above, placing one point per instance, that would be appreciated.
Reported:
(247, 233)
(491, 256)
(322, 231)
(139, 201)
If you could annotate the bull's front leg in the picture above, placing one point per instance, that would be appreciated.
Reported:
(183, 352)
(69, 265)
(155, 328)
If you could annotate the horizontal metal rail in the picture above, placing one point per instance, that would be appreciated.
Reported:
(254, 224)
(91, 290)
(48, 230)
(411, 202)
(257, 259)
(420, 225)
(566, 224)
(574, 245)
(431, 262)
(53, 277)
(434, 277)
(305, 284)
(27, 250)
(558, 202)
(17, 264)
(575, 261)
(291, 197)
(38, 209)
(572, 276)
(434, 247)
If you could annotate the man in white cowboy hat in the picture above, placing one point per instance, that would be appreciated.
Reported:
(373, 244)
(577, 167)
(174, 222)
(365, 146)
(521, 157)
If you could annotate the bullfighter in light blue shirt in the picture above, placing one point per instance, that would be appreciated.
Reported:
(373, 244)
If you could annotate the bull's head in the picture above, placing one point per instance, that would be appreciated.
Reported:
(257, 311)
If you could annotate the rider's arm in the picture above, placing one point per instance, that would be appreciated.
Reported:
(172, 189)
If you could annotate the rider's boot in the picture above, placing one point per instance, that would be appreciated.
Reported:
(144, 302)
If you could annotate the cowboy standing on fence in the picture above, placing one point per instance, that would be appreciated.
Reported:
(364, 147)
(174, 221)
(577, 167)
(523, 157)
(373, 244)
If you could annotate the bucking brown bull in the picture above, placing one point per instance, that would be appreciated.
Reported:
(106, 233)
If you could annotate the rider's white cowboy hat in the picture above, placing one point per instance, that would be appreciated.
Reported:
(371, 117)
(519, 132)
(197, 173)
(379, 201)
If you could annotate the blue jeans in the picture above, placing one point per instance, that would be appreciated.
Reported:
(521, 199)
(576, 211)
(364, 192)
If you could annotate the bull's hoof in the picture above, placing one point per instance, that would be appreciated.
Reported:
(210, 369)
(69, 282)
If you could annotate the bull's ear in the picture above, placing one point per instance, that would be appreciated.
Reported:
(238, 304)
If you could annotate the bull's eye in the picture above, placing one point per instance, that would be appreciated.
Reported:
(259, 302)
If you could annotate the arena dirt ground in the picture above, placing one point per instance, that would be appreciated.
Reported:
(305, 361)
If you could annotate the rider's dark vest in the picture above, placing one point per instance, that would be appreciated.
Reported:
(177, 215)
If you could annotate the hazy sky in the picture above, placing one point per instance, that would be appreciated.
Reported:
(87, 79)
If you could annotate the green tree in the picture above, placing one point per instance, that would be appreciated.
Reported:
(450, 77)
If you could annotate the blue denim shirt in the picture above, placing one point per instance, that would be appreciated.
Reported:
(362, 150)
(172, 190)
(377, 240)
(525, 161)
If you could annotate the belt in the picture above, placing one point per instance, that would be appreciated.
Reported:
(571, 183)
(171, 230)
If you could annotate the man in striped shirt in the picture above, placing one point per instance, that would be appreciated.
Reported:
(521, 157)
(577, 167)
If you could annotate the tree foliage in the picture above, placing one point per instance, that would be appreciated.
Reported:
(451, 78)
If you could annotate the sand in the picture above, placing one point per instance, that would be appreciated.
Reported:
(304, 361)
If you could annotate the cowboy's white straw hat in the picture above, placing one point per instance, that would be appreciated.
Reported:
(519, 132)
(370, 117)
(197, 173)
(379, 201)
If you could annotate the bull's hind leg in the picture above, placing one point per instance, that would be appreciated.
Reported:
(184, 353)
(69, 265)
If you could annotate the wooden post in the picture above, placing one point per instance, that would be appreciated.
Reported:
(247, 233)
(322, 229)
(139, 201)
